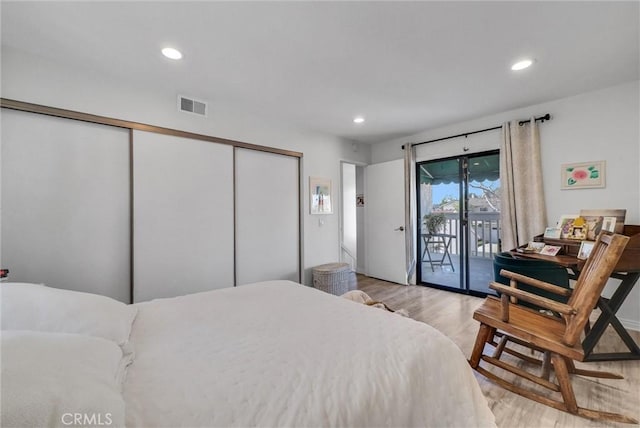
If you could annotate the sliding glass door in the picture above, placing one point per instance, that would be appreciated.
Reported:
(459, 221)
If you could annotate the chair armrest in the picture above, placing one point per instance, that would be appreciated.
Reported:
(561, 291)
(552, 305)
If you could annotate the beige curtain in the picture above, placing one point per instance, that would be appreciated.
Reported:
(523, 212)
(409, 210)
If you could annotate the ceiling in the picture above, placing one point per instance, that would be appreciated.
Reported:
(404, 66)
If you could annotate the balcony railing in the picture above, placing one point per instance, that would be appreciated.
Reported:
(484, 233)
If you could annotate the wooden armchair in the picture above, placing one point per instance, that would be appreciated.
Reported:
(556, 337)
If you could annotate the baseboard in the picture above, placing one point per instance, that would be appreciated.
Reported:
(630, 324)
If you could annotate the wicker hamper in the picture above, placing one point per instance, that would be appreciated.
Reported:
(334, 278)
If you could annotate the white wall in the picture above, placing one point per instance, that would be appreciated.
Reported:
(36, 80)
(603, 124)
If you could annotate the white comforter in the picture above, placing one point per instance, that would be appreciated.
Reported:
(281, 354)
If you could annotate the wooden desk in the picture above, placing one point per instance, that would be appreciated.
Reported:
(627, 270)
(570, 262)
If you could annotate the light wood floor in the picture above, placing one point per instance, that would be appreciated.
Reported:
(451, 313)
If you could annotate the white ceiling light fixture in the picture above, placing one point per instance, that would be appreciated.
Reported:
(358, 119)
(172, 53)
(521, 65)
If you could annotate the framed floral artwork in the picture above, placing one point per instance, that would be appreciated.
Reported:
(583, 175)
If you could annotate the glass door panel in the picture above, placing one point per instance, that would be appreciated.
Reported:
(439, 214)
(483, 218)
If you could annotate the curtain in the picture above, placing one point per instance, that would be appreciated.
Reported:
(409, 210)
(523, 211)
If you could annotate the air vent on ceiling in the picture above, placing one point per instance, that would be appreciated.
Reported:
(189, 105)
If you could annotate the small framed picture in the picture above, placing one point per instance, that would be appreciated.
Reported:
(553, 232)
(550, 250)
(320, 196)
(594, 226)
(585, 249)
(609, 224)
(565, 223)
(536, 246)
(577, 232)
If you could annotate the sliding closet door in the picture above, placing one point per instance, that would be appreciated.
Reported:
(183, 215)
(65, 203)
(267, 217)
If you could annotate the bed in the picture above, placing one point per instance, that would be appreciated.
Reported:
(271, 354)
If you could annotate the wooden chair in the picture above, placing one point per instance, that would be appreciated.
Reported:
(557, 338)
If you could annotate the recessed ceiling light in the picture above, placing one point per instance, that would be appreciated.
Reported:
(172, 53)
(521, 65)
(358, 119)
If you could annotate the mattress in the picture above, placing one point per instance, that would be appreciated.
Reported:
(280, 354)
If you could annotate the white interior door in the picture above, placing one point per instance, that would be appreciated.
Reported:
(384, 195)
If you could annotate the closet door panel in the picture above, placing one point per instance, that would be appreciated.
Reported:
(65, 203)
(183, 216)
(267, 217)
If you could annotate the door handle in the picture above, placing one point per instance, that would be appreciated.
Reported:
(401, 229)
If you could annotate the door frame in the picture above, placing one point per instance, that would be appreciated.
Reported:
(463, 224)
(359, 239)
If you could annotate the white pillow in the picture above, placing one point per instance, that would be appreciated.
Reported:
(60, 380)
(41, 308)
